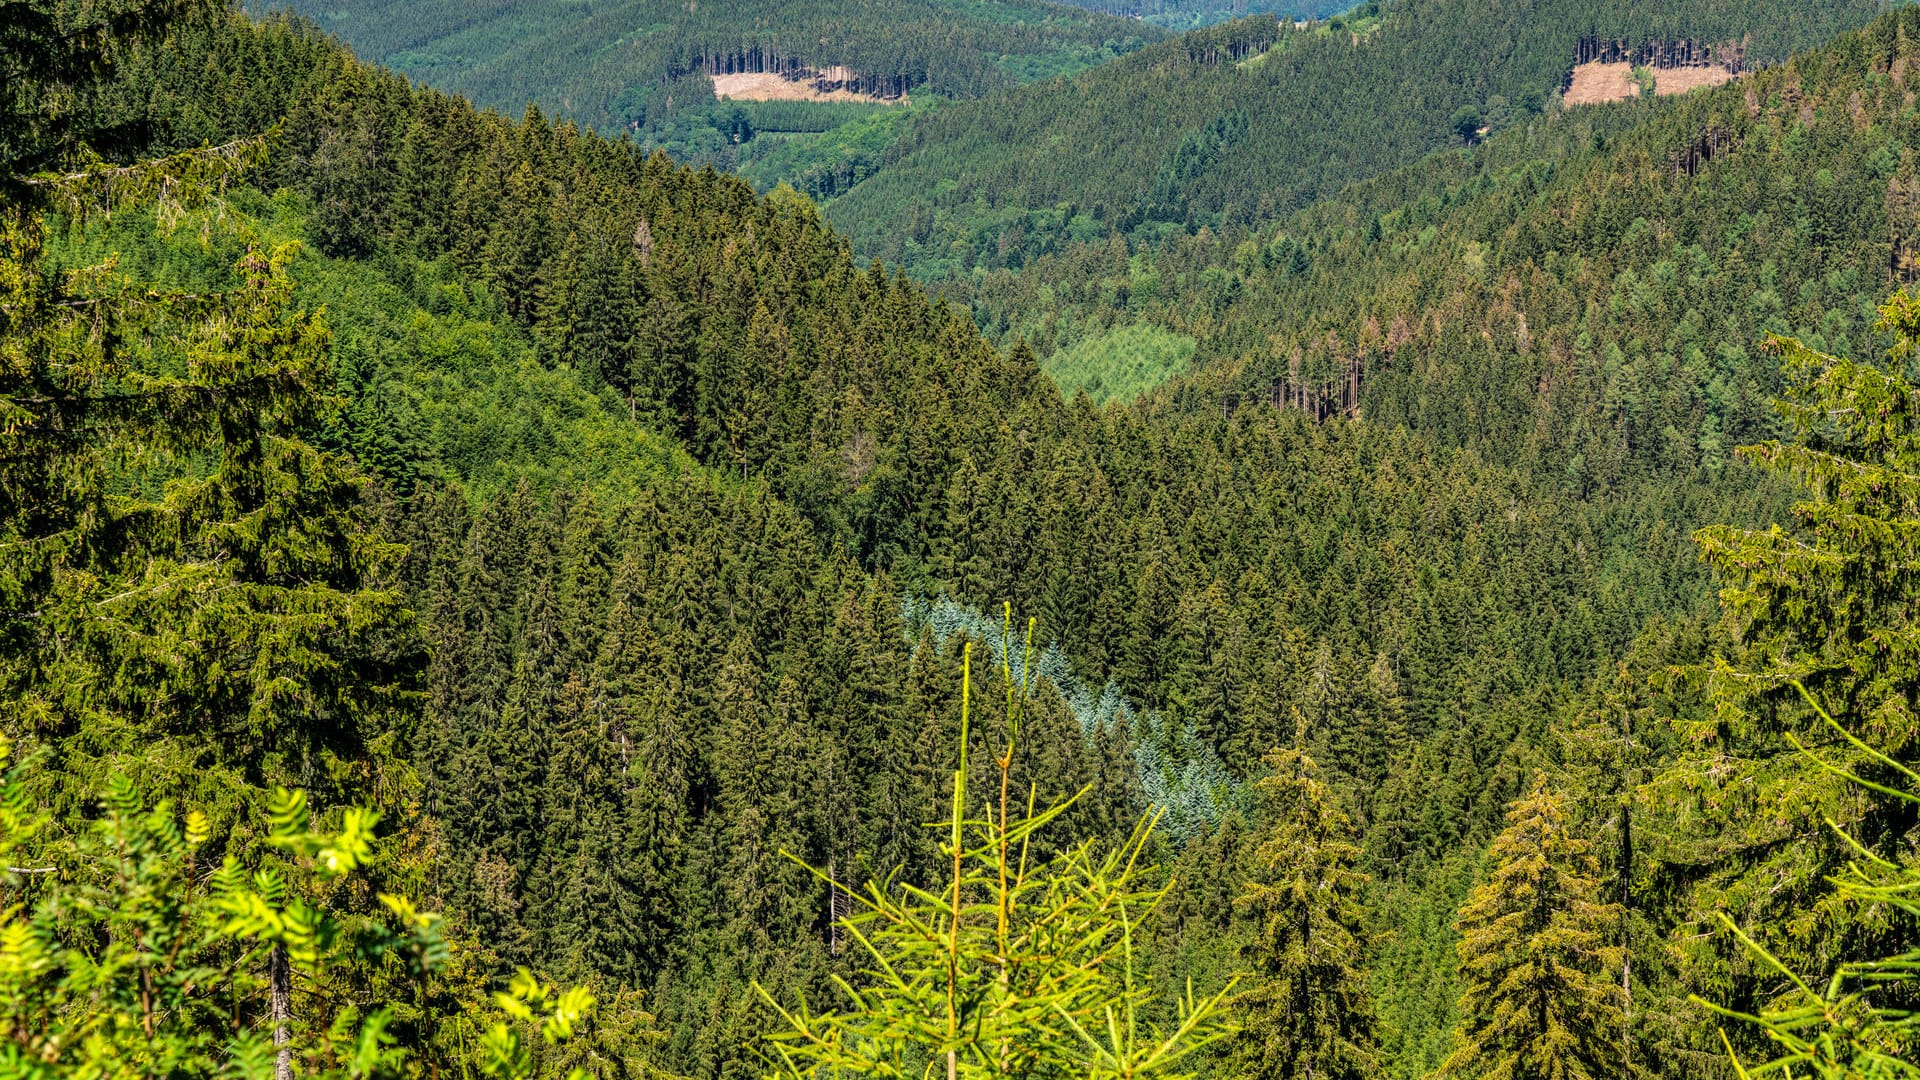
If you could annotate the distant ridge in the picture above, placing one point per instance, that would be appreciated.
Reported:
(1161, 143)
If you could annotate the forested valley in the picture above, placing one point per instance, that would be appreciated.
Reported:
(483, 597)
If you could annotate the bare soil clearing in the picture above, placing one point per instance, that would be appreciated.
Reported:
(1679, 80)
(1596, 83)
(771, 86)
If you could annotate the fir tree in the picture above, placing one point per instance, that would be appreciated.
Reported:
(187, 577)
(1308, 1012)
(1831, 606)
(1536, 949)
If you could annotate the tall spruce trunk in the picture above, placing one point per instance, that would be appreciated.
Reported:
(1624, 872)
(1626, 928)
(280, 1008)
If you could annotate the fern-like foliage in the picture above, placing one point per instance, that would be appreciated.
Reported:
(127, 952)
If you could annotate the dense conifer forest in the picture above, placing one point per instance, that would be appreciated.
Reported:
(634, 64)
(483, 597)
(1195, 14)
(1237, 125)
(856, 73)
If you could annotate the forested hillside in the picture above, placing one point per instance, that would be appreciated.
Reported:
(632, 64)
(1583, 282)
(421, 500)
(783, 362)
(1193, 14)
(1241, 123)
(1585, 300)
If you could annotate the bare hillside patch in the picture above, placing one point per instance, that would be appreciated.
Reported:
(772, 86)
(1597, 83)
(1682, 79)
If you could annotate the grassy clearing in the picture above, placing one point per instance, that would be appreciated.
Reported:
(1121, 364)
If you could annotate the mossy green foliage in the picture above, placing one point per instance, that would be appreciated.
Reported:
(1121, 364)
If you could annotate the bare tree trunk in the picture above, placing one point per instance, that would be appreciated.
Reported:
(280, 1006)
(1624, 871)
(1626, 991)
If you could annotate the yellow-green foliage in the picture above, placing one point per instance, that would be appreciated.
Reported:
(1018, 966)
(1121, 364)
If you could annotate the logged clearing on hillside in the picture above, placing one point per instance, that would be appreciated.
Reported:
(1615, 69)
(1597, 83)
(827, 85)
(1682, 79)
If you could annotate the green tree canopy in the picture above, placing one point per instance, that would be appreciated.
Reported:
(1308, 1011)
(1536, 947)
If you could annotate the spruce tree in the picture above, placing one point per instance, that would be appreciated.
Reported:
(189, 581)
(1019, 966)
(1536, 950)
(58, 63)
(1308, 1013)
(761, 762)
(638, 686)
(658, 377)
(1383, 715)
(1831, 603)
